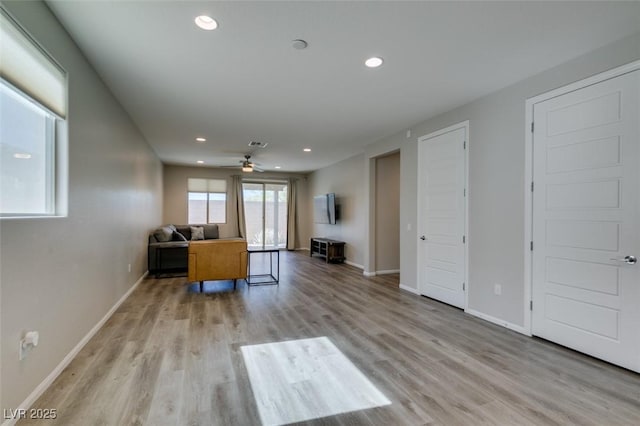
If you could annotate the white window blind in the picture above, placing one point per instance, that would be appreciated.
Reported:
(25, 65)
(207, 200)
(207, 185)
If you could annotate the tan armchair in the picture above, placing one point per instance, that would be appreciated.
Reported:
(211, 260)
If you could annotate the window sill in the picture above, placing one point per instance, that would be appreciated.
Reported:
(33, 217)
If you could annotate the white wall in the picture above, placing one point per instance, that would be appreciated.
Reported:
(346, 179)
(175, 197)
(60, 276)
(496, 190)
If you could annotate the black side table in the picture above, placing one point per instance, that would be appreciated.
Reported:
(173, 250)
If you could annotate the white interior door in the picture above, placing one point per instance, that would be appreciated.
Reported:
(441, 216)
(586, 209)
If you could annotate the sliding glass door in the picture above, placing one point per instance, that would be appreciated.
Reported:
(265, 207)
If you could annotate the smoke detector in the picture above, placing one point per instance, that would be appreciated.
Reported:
(299, 44)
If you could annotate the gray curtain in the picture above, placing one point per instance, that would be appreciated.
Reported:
(291, 215)
(238, 204)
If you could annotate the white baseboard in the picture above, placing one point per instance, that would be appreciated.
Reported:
(498, 321)
(39, 390)
(301, 249)
(357, 265)
(374, 273)
(480, 315)
(388, 271)
(410, 289)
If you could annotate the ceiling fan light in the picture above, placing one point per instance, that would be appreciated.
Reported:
(247, 168)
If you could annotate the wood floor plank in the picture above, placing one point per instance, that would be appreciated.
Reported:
(165, 407)
(171, 355)
(143, 387)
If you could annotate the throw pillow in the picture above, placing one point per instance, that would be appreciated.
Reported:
(197, 233)
(185, 230)
(177, 236)
(163, 234)
(210, 232)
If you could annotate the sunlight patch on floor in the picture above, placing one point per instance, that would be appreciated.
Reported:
(306, 379)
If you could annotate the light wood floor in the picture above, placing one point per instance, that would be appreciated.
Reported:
(172, 356)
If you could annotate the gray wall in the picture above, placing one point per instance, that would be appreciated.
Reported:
(60, 276)
(387, 213)
(496, 188)
(497, 182)
(346, 179)
(175, 197)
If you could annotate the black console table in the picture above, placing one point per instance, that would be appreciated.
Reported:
(331, 250)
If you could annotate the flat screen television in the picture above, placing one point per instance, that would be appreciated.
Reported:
(324, 209)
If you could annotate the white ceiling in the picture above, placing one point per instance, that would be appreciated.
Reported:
(244, 81)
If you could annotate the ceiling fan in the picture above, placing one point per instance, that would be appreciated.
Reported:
(249, 166)
(246, 165)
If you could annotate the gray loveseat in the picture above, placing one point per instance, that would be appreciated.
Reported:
(168, 250)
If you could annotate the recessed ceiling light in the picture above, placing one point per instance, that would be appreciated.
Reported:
(200, 162)
(307, 150)
(206, 22)
(201, 140)
(277, 167)
(374, 62)
(22, 156)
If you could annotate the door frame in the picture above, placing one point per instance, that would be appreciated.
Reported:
(461, 125)
(528, 173)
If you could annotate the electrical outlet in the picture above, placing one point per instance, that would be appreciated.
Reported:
(497, 289)
(408, 227)
(22, 351)
(408, 133)
(129, 267)
(27, 343)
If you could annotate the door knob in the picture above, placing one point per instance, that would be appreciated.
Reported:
(423, 238)
(631, 260)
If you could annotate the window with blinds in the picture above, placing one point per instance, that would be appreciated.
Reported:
(33, 101)
(207, 201)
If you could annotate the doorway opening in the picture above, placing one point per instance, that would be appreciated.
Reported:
(387, 215)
